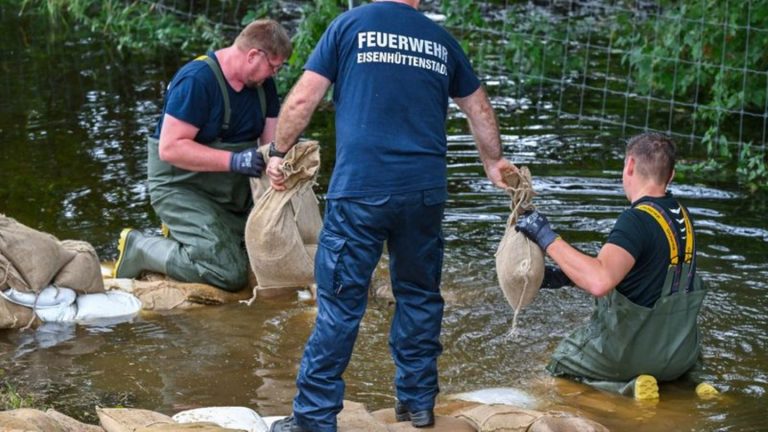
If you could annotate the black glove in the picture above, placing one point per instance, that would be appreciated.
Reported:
(536, 227)
(248, 162)
(554, 278)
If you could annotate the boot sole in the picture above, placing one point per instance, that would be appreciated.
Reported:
(121, 249)
(646, 388)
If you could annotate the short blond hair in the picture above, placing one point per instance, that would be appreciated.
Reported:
(267, 35)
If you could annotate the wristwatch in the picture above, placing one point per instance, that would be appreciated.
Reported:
(273, 151)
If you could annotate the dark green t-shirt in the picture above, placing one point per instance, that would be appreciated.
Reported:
(639, 234)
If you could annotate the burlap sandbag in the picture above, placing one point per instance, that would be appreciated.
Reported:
(442, 423)
(519, 261)
(129, 419)
(188, 427)
(69, 424)
(499, 418)
(563, 422)
(83, 272)
(13, 315)
(167, 294)
(29, 420)
(282, 229)
(30, 258)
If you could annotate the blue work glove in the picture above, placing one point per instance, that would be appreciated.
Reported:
(536, 227)
(248, 162)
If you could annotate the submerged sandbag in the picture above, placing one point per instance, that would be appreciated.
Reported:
(30, 258)
(282, 230)
(519, 261)
(83, 272)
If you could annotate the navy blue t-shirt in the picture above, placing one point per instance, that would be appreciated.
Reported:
(638, 233)
(393, 71)
(194, 96)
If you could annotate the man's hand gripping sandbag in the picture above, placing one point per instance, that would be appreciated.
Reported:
(519, 261)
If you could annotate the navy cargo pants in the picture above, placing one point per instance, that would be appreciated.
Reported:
(351, 243)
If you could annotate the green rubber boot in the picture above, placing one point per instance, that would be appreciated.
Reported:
(139, 253)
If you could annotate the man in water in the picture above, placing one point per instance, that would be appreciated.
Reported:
(643, 328)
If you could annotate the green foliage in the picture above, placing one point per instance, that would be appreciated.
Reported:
(463, 13)
(11, 399)
(315, 20)
(712, 52)
(131, 26)
(752, 168)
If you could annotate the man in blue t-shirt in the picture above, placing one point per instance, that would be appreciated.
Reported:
(648, 292)
(200, 159)
(393, 72)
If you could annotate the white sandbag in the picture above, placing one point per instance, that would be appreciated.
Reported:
(228, 417)
(60, 314)
(50, 297)
(111, 307)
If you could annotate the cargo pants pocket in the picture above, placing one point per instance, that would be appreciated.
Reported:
(327, 271)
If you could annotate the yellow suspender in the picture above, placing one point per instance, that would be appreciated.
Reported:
(671, 238)
(673, 255)
(688, 236)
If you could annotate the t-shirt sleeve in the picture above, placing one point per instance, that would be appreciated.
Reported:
(324, 58)
(628, 233)
(188, 101)
(273, 102)
(463, 81)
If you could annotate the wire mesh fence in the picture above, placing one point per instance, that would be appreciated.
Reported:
(696, 70)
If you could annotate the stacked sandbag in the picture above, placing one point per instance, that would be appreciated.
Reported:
(519, 261)
(139, 420)
(29, 259)
(282, 230)
(83, 272)
(31, 262)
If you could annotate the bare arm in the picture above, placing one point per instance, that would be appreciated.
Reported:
(596, 275)
(294, 118)
(268, 134)
(485, 130)
(179, 148)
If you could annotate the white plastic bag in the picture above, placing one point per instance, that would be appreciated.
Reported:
(111, 307)
(50, 297)
(227, 417)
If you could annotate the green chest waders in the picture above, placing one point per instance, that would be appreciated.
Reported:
(623, 340)
(204, 211)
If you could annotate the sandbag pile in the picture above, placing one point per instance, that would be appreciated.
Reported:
(519, 261)
(31, 260)
(282, 230)
(353, 418)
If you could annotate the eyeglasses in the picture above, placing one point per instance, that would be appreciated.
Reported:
(274, 67)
